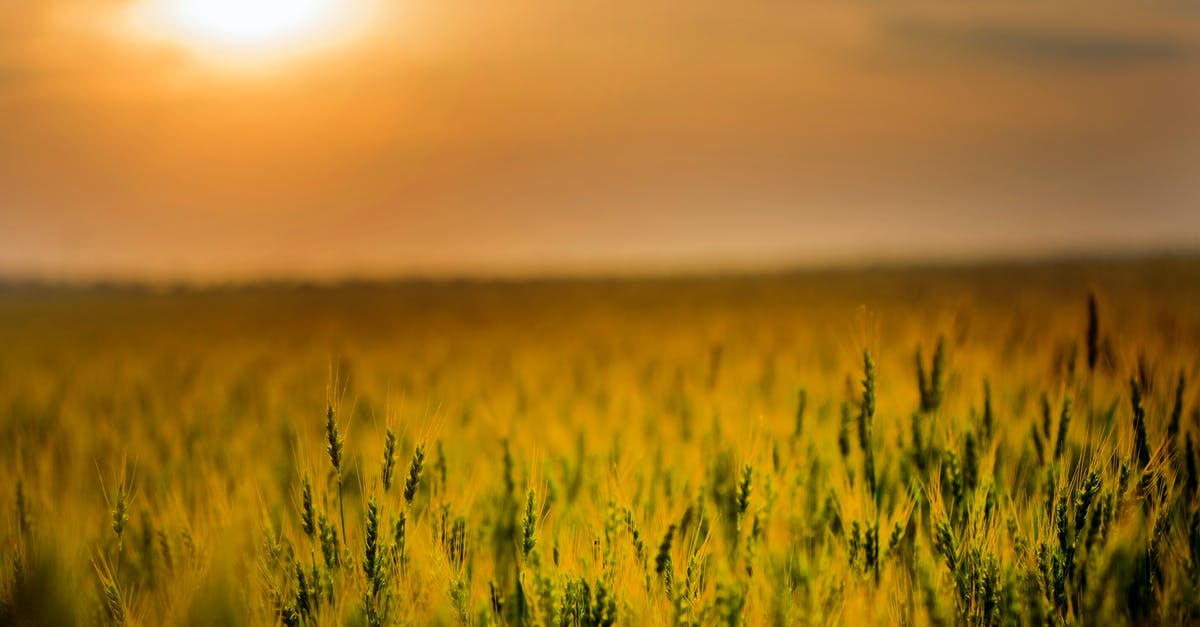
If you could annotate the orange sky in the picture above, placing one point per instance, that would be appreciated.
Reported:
(453, 136)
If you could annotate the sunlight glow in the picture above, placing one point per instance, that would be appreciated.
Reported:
(250, 22)
(250, 32)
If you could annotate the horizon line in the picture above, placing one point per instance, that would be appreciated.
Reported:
(599, 273)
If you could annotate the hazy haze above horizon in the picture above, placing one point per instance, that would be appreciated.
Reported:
(452, 137)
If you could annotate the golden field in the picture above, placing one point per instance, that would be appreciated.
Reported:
(587, 452)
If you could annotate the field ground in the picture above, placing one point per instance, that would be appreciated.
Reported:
(582, 453)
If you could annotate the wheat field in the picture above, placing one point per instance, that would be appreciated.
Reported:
(991, 445)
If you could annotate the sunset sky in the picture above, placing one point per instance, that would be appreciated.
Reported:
(379, 137)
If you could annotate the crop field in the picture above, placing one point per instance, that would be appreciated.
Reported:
(991, 445)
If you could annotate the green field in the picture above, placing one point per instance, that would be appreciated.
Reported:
(691, 451)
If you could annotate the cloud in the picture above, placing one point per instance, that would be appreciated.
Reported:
(1035, 45)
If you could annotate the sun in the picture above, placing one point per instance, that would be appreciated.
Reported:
(250, 22)
(248, 32)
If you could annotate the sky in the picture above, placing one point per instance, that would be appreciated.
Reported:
(454, 137)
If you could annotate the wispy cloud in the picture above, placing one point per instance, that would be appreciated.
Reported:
(1033, 44)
